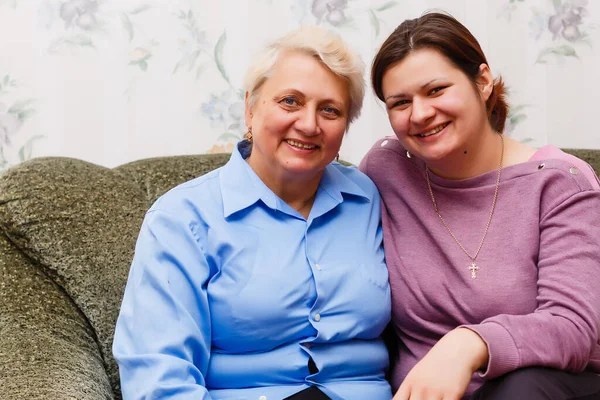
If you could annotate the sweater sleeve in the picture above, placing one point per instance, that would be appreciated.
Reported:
(563, 331)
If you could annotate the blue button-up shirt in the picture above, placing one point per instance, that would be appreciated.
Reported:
(231, 291)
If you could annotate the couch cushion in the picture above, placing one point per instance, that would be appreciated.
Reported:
(79, 222)
(157, 175)
(47, 348)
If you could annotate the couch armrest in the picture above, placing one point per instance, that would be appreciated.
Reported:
(47, 348)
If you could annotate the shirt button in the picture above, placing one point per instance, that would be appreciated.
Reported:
(317, 317)
(262, 398)
(307, 345)
(384, 143)
(319, 267)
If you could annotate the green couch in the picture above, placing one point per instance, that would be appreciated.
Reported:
(67, 234)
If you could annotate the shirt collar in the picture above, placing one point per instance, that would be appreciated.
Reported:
(335, 183)
(241, 187)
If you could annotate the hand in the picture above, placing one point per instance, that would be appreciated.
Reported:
(446, 370)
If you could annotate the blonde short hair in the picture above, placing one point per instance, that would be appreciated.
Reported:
(324, 45)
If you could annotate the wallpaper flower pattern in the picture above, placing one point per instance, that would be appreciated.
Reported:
(560, 27)
(112, 81)
(14, 113)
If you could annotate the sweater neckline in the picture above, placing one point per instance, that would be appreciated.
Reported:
(489, 178)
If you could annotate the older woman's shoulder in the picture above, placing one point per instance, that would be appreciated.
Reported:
(353, 176)
(199, 190)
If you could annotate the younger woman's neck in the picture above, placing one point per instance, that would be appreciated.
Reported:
(475, 159)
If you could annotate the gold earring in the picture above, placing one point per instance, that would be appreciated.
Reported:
(248, 135)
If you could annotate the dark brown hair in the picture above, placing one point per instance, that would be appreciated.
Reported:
(445, 34)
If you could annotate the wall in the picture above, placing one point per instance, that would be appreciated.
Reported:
(111, 81)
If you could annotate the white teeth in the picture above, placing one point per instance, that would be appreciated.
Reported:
(433, 131)
(301, 145)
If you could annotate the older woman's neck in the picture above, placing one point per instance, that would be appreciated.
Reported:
(299, 194)
(296, 191)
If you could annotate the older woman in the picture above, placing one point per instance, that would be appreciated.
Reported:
(492, 246)
(265, 279)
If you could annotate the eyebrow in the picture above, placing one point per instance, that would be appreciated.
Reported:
(297, 92)
(401, 95)
(334, 102)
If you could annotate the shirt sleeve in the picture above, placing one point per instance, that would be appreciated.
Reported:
(163, 334)
(562, 332)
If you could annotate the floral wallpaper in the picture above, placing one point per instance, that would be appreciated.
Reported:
(560, 27)
(15, 110)
(112, 81)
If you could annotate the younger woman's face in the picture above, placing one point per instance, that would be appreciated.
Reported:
(434, 108)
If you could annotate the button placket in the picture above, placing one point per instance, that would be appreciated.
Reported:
(316, 317)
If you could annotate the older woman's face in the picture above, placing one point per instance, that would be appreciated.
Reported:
(298, 120)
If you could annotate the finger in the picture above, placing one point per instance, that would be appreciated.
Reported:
(403, 393)
(423, 393)
(454, 396)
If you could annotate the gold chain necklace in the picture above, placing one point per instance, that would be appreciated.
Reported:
(473, 267)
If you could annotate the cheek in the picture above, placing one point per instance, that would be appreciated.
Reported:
(399, 121)
(458, 105)
(334, 129)
(334, 142)
(275, 125)
(449, 104)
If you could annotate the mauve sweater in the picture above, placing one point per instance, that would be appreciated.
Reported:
(536, 298)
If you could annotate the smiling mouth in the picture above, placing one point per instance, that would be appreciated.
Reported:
(301, 146)
(433, 131)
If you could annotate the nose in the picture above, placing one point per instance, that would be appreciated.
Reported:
(421, 111)
(307, 122)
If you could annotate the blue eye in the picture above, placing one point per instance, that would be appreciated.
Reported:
(331, 110)
(289, 101)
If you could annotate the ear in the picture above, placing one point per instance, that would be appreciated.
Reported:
(485, 81)
(247, 112)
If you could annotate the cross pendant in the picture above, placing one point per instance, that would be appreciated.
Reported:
(474, 268)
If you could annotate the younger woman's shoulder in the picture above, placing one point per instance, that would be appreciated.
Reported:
(386, 155)
(386, 145)
(575, 165)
